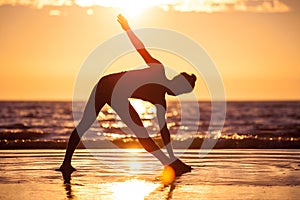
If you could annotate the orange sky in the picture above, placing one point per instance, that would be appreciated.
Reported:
(257, 53)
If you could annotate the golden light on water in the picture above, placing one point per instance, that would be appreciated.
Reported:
(132, 189)
(143, 108)
(139, 106)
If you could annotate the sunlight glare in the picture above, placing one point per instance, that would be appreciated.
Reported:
(90, 11)
(133, 8)
(132, 189)
(168, 175)
(139, 106)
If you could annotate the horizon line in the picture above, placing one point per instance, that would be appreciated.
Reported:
(185, 100)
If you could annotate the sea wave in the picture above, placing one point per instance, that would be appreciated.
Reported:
(247, 125)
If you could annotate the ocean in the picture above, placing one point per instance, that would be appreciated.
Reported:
(260, 124)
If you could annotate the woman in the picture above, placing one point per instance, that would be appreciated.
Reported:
(149, 84)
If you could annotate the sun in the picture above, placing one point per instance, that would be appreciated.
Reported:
(133, 8)
(131, 12)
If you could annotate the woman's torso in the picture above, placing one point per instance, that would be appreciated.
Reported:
(149, 84)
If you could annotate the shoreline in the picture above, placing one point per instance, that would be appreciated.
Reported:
(134, 144)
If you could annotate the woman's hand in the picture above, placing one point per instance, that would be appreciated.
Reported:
(123, 22)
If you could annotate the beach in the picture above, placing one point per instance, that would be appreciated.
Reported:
(213, 84)
(132, 174)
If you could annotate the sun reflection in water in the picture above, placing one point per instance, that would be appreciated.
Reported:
(142, 107)
(132, 189)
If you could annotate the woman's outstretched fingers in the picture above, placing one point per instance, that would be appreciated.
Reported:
(123, 21)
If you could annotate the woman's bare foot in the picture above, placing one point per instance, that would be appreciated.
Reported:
(180, 167)
(66, 170)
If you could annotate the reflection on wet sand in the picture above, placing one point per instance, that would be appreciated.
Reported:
(131, 189)
(166, 190)
(68, 188)
(108, 174)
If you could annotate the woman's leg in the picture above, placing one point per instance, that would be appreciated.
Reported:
(91, 111)
(131, 118)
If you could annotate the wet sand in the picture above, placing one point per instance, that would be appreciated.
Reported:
(131, 174)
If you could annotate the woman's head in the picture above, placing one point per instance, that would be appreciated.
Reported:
(182, 83)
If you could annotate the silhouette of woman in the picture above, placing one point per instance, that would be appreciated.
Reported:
(149, 84)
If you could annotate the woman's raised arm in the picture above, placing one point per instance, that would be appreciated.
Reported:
(137, 43)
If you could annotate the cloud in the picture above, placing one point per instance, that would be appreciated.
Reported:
(38, 3)
(262, 6)
(232, 5)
